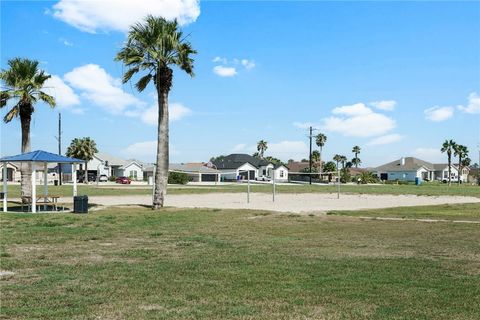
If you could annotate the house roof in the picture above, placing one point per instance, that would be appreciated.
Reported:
(296, 166)
(186, 167)
(112, 161)
(411, 164)
(40, 156)
(235, 160)
(192, 167)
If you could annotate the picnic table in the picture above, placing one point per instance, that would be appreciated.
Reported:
(41, 200)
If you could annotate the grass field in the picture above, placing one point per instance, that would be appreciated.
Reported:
(132, 263)
(467, 212)
(430, 189)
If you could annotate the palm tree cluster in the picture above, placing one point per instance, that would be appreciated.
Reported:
(23, 83)
(82, 148)
(451, 147)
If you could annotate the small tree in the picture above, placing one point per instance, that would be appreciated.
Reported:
(83, 148)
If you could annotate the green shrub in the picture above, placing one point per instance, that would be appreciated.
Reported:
(177, 178)
(112, 178)
(368, 177)
(345, 176)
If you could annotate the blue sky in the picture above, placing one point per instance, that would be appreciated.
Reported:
(395, 78)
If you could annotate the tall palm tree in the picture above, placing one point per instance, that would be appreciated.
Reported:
(356, 160)
(82, 148)
(320, 140)
(261, 147)
(461, 152)
(448, 146)
(154, 47)
(22, 84)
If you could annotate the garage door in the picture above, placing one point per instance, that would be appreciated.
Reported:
(245, 175)
(209, 177)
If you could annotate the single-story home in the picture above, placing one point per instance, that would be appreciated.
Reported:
(197, 172)
(410, 168)
(13, 172)
(243, 166)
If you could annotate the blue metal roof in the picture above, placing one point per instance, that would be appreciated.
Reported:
(40, 156)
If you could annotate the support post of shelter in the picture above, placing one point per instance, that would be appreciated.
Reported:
(74, 178)
(273, 182)
(34, 188)
(4, 176)
(45, 185)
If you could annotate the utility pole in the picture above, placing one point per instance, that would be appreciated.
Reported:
(310, 154)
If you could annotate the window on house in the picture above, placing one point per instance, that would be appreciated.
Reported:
(133, 174)
(264, 172)
(281, 173)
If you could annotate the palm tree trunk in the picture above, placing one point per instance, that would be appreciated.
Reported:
(26, 168)
(161, 173)
(85, 175)
(459, 168)
(321, 165)
(449, 169)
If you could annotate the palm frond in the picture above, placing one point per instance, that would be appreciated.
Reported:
(14, 112)
(143, 82)
(48, 99)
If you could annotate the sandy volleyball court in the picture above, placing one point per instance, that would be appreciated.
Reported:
(286, 202)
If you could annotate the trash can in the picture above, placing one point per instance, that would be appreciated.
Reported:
(80, 204)
(418, 181)
(55, 182)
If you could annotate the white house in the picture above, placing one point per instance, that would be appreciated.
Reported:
(409, 168)
(13, 172)
(244, 166)
(133, 169)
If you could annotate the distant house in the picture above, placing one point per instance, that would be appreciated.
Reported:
(13, 172)
(107, 165)
(244, 166)
(409, 168)
(197, 172)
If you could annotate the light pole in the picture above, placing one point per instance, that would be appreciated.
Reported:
(310, 136)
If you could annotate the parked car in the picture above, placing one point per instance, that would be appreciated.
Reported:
(123, 180)
(263, 178)
(103, 178)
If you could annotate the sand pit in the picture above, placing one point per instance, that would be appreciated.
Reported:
(286, 202)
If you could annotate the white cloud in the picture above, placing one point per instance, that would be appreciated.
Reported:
(386, 139)
(285, 150)
(438, 113)
(248, 64)
(145, 150)
(473, 104)
(224, 71)
(358, 121)
(220, 59)
(63, 94)
(177, 111)
(303, 125)
(387, 105)
(105, 15)
(430, 154)
(101, 88)
(65, 42)
(356, 109)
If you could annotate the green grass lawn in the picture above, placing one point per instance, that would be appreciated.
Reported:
(133, 263)
(430, 189)
(467, 212)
